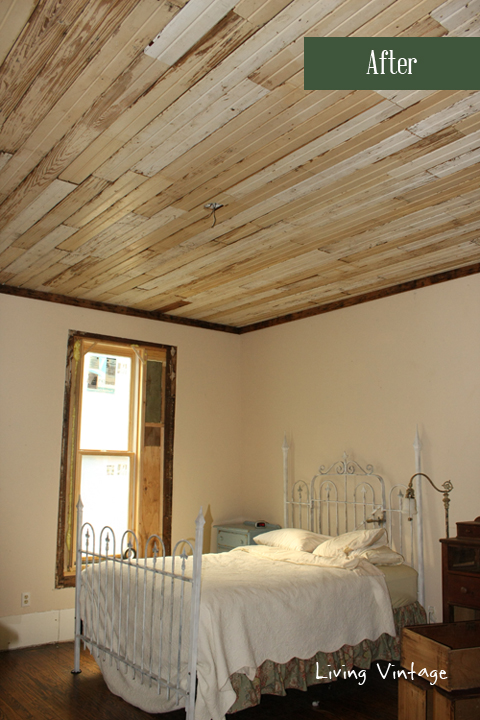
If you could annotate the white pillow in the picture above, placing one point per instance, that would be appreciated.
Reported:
(291, 539)
(355, 540)
(382, 555)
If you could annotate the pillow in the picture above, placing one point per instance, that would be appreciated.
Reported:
(291, 539)
(355, 540)
(382, 555)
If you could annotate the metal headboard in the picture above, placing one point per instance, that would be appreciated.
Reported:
(345, 496)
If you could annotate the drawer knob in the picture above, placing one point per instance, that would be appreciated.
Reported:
(463, 590)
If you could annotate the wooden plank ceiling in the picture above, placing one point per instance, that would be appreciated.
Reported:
(109, 155)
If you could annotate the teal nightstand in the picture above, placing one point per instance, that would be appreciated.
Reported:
(233, 535)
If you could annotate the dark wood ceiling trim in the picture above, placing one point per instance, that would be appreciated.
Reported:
(118, 309)
(367, 297)
(300, 315)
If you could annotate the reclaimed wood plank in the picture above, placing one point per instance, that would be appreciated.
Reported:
(453, 14)
(400, 121)
(14, 15)
(448, 115)
(172, 85)
(130, 254)
(348, 18)
(313, 149)
(396, 18)
(134, 118)
(426, 27)
(114, 192)
(62, 62)
(314, 298)
(405, 98)
(430, 160)
(187, 28)
(36, 43)
(240, 147)
(184, 133)
(34, 276)
(50, 197)
(397, 122)
(294, 21)
(71, 144)
(4, 158)
(265, 149)
(119, 55)
(216, 149)
(159, 263)
(37, 252)
(70, 204)
(470, 124)
(259, 12)
(115, 212)
(7, 257)
(471, 157)
(417, 148)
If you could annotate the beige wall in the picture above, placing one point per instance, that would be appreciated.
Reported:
(360, 379)
(357, 379)
(32, 360)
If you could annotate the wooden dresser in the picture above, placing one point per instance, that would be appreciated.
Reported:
(461, 571)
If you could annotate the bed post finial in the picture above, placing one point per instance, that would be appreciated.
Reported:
(194, 616)
(285, 449)
(200, 521)
(417, 446)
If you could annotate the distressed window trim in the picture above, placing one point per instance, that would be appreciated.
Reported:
(62, 577)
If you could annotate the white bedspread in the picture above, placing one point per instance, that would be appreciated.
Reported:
(262, 603)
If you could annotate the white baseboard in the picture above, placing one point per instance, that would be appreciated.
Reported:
(19, 631)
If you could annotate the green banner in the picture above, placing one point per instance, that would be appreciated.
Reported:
(392, 63)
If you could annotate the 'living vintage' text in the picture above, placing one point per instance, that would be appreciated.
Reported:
(361, 674)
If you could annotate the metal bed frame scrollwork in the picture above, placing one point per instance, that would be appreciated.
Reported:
(346, 496)
(126, 590)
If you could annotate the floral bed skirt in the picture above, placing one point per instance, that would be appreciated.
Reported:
(274, 679)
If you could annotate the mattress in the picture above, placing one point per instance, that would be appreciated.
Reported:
(401, 582)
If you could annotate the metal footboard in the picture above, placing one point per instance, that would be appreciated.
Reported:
(140, 613)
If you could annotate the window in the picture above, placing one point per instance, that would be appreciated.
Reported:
(117, 449)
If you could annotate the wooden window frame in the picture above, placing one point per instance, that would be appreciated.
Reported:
(66, 512)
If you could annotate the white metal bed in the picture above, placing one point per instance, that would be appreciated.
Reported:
(126, 592)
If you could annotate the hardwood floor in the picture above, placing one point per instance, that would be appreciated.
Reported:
(36, 684)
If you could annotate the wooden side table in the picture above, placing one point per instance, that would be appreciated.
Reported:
(461, 570)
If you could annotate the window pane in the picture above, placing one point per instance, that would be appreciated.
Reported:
(105, 402)
(105, 492)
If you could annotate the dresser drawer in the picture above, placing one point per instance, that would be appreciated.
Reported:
(230, 540)
(463, 590)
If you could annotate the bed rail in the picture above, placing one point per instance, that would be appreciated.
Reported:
(140, 612)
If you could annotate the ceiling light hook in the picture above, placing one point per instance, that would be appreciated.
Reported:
(213, 206)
